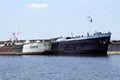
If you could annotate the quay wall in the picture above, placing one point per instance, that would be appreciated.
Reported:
(114, 48)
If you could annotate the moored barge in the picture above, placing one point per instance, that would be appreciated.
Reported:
(96, 44)
(25, 47)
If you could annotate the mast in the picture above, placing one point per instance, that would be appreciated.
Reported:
(90, 21)
(15, 35)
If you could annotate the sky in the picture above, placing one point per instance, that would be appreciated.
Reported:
(45, 19)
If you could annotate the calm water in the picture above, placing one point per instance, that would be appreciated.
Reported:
(59, 68)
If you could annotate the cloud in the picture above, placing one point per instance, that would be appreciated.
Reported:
(37, 6)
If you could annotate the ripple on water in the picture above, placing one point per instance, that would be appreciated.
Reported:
(59, 68)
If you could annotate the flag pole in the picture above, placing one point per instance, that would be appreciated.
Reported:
(89, 23)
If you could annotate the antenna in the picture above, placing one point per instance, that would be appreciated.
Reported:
(71, 35)
(15, 34)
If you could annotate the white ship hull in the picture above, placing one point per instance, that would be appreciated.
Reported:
(36, 47)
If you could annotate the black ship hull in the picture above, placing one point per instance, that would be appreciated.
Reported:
(92, 46)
